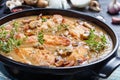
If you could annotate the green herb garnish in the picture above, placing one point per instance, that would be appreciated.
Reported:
(3, 34)
(44, 19)
(103, 38)
(16, 25)
(95, 45)
(40, 38)
(5, 48)
(7, 40)
(10, 44)
(62, 27)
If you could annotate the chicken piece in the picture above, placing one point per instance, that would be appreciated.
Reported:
(50, 23)
(59, 63)
(36, 56)
(44, 26)
(70, 61)
(57, 19)
(78, 31)
(18, 57)
(68, 22)
(50, 40)
(75, 32)
(80, 53)
(35, 23)
(56, 40)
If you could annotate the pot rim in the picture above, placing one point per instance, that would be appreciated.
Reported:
(4, 59)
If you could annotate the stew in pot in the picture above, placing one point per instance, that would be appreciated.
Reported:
(53, 40)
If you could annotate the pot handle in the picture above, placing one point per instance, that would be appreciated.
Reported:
(109, 67)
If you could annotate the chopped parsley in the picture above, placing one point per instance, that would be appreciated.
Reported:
(7, 39)
(3, 34)
(44, 19)
(16, 25)
(95, 45)
(40, 38)
(62, 27)
(103, 39)
(9, 44)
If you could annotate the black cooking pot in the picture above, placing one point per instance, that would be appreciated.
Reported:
(102, 67)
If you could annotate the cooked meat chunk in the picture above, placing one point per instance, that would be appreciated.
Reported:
(36, 56)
